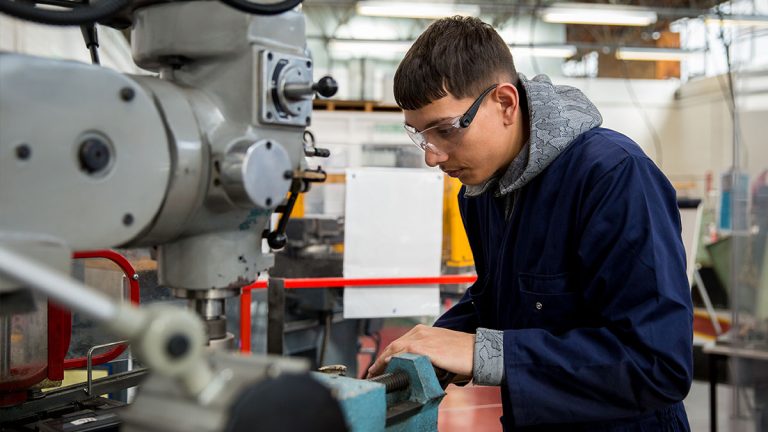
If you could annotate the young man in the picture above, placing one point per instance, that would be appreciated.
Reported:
(581, 312)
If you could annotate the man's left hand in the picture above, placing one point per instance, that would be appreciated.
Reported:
(450, 350)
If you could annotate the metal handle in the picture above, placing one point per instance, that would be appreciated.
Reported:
(89, 363)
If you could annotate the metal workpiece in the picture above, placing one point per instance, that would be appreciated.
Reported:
(253, 173)
(99, 158)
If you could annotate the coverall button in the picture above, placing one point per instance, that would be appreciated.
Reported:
(539, 305)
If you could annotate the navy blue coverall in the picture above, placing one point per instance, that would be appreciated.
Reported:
(586, 277)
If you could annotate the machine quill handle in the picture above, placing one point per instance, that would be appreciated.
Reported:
(277, 238)
(326, 87)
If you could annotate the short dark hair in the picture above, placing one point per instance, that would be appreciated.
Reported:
(460, 55)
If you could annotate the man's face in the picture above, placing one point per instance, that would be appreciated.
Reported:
(475, 153)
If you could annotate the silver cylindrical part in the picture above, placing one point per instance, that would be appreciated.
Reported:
(207, 308)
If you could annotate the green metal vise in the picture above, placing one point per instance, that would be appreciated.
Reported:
(404, 398)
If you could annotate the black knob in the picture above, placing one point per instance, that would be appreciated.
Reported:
(277, 240)
(326, 87)
(94, 155)
(177, 345)
(321, 152)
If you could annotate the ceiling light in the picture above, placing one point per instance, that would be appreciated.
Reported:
(652, 54)
(738, 20)
(415, 9)
(368, 48)
(598, 14)
(556, 51)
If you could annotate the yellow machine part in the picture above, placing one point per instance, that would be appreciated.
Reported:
(298, 207)
(456, 250)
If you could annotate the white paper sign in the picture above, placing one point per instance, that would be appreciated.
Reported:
(393, 228)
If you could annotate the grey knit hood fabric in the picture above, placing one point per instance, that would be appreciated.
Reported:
(558, 114)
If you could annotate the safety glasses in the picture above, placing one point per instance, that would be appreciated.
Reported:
(444, 137)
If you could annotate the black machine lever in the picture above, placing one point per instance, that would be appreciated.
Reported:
(277, 238)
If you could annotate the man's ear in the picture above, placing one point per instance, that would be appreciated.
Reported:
(508, 97)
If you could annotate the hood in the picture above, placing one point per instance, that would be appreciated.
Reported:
(558, 114)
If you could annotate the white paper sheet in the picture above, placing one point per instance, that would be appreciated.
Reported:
(393, 228)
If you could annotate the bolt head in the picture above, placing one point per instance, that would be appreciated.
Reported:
(127, 94)
(23, 152)
(94, 155)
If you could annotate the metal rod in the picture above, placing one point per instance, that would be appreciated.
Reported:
(392, 381)
(57, 286)
(5, 346)
(707, 303)
(275, 317)
(89, 363)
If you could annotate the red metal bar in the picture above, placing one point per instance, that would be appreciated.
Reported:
(245, 321)
(59, 335)
(245, 298)
(134, 295)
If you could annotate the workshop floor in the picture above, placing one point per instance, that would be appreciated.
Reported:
(478, 408)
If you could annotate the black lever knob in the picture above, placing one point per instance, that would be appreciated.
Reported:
(277, 240)
(326, 87)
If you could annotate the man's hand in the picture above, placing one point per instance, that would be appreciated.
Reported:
(450, 350)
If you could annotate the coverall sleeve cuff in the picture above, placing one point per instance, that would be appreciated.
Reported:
(488, 366)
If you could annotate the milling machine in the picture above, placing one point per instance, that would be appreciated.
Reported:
(193, 162)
